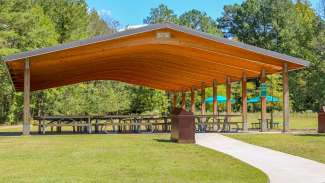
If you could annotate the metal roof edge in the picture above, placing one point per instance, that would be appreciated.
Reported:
(84, 42)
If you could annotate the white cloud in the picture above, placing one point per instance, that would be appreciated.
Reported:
(105, 13)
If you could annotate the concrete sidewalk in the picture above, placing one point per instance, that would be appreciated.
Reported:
(280, 167)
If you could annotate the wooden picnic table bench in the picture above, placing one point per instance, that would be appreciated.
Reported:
(217, 123)
(233, 125)
(135, 123)
(269, 122)
(128, 123)
(136, 127)
(78, 123)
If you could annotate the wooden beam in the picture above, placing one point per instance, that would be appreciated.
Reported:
(215, 95)
(286, 108)
(183, 100)
(202, 99)
(263, 104)
(244, 102)
(228, 93)
(192, 100)
(27, 118)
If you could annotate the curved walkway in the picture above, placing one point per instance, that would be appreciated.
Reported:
(280, 167)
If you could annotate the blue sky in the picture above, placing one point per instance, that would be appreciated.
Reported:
(132, 12)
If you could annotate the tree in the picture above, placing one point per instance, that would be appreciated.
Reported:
(263, 23)
(285, 27)
(23, 26)
(146, 100)
(307, 86)
(97, 26)
(161, 14)
(88, 98)
(200, 21)
(70, 18)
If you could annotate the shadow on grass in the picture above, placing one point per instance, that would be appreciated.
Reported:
(164, 140)
(33, 133)
(12, 134)
(310, 135)
(9, 134)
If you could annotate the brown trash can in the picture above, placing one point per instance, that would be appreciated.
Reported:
(182, 126)
(321, 120)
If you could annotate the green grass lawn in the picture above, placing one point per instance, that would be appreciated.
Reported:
(298, 121)
(116, 158)
(311, 146)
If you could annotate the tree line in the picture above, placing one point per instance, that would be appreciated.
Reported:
(293, 28)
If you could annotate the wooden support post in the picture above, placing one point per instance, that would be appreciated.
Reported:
(263, 105)
(89, 126)
(96, 126)
(202, 99)
(215, 95)
(174, 100)
(244, 102)
(183, 100)
(192, 100)
(228, 93)
(286, 108)
(27, 118)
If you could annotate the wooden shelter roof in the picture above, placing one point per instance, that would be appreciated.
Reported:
(161, 56)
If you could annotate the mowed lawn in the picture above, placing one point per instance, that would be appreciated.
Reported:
(311, 146)
(116, 158)
(298, 121)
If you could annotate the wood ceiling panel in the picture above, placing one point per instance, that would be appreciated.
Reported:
(181, 78)
(172, 47)
(149, 62)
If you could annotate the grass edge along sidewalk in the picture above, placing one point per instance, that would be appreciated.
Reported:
(310, 146)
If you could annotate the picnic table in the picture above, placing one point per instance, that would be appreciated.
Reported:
(105, 124)
(218, 123)
(78, 123)
(270, 124)
(134, 123)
